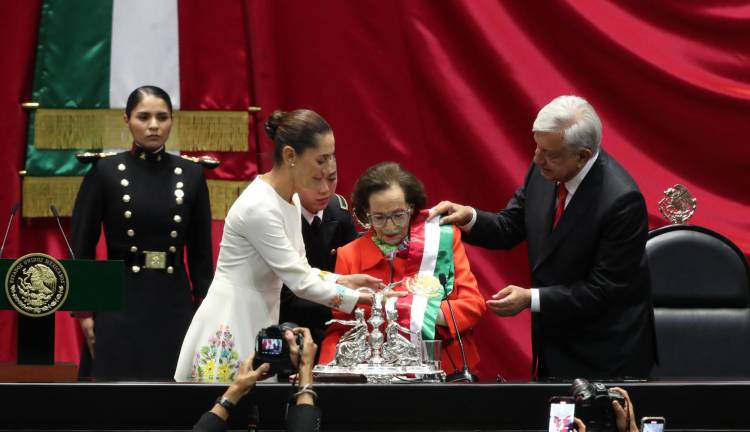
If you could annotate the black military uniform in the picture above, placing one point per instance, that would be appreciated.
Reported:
(321, 238)
(153, 206)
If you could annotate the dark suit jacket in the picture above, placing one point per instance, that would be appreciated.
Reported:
(336, 229)
(596, 316)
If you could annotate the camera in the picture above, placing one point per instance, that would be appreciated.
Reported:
(272, 348)
(594, 405)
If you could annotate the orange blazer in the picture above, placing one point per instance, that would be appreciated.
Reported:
(363, 256)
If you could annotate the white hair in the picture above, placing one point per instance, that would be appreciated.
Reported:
(575, 119)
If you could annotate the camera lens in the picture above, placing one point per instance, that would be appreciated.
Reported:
(581, 389)
(288, 326)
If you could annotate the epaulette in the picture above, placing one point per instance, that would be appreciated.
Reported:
(91, 157)
(207, 161)
(342, 202)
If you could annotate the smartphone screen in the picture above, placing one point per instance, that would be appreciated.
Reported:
(561, 413)
(652, 424)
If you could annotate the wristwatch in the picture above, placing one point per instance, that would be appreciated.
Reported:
(226, 403)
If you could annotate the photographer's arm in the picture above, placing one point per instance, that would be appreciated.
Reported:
(303, 415)
(215, 420)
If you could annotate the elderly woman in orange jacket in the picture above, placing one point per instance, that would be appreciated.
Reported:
(422, 257)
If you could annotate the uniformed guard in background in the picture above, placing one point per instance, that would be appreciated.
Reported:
(326, 226)
(154, 206)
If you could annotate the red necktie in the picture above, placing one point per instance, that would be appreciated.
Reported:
(562, 195)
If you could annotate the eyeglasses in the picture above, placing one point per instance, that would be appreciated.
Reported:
(400, 218)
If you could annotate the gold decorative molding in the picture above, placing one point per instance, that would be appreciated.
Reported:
(40, 192)
(102, 129)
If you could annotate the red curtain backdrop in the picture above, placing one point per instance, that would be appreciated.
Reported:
(450, 90)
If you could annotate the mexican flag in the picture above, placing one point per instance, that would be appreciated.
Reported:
(92, 53)
(429, 266)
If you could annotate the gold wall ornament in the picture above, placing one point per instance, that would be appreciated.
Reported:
(36, 285)
(678, 205)
(38, 192)
(223, 193)
(211, 130)
(102, 129)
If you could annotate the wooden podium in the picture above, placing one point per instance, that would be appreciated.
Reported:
(93, 286)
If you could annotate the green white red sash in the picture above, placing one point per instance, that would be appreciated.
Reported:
(430, 254)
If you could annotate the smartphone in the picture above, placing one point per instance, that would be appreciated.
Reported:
(561, 413)
(652, 424)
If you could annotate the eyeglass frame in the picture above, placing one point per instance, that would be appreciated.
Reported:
(390, 217)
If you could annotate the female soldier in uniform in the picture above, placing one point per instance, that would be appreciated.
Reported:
(154, 207)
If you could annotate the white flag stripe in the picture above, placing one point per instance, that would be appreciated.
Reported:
(418, 306)
(145, 49)
(431, 246)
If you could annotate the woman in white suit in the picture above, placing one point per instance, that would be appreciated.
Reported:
(261, 249)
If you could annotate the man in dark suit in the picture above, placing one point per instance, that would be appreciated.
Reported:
(586, 225)
(326, 225)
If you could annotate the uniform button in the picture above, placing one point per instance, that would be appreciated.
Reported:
(179, 193)
(170, 269)
(172, 249)
(131, 233)
(333, 251)
(179, 185)
(128, 214)
(178, 200)
(178, 170)
(126, 198)
(136, 269)
(133, 249)
(177, 218)
(121, 167)
(124, 182)
(173, 234)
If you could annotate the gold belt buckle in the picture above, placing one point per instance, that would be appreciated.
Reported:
(155, 260)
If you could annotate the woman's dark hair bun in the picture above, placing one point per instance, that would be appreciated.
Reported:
(299, 129)
(273, 122)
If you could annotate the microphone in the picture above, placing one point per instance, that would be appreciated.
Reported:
(13, 211)
(59, 225)
(464, 375)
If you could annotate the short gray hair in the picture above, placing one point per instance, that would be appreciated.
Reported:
(575, 119)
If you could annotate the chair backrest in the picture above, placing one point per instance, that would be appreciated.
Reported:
(701, 294)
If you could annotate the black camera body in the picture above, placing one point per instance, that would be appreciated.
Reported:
(272, 348)
(594, 405)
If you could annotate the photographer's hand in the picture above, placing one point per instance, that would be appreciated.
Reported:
(579, 425)
(625, 416)
(243, 382)
(304, 361)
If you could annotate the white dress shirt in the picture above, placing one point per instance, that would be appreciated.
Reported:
(310, 216)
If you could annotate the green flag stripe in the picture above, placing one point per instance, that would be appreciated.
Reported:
(443, 265)
(72, 71)
(72, 60)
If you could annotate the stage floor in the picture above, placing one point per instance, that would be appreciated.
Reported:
(354, 407)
